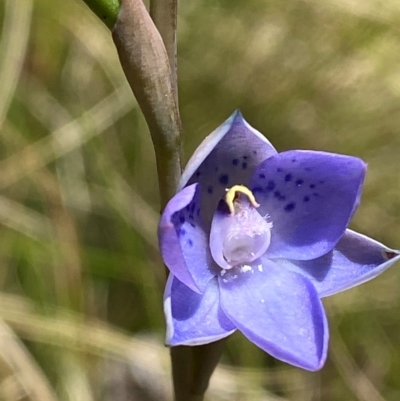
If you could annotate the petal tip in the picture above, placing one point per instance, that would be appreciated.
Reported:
(389, 254)
(237, 117)
(237, 113)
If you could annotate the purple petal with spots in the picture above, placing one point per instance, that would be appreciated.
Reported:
(192, 318)
(279, 311)
(310, 198)
(354, 260)
(183, 242)
(228, 156)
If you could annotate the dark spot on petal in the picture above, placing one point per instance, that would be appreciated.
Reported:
(294, 160)
(210, 189)
(307, 168)
(182, 219)
(312, 186)
(191, 217)
(271, 186)
(255, 152)
(235, 162)
(187, 207)
(223, 179)
(299, 182)
(306, 199)
(190, 242)
(261, 176)
(389, 254)
(181, 232)
(279, 196)
(279, 170)
(288, 177)
(245, 157)
(290, 206)
(257, 189)
(198, 174)
(192, 224)
(244, 166)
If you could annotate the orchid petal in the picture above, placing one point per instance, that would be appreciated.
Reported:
(354, 260)
(226, 157)
(310, 198)
(192, 318)
(278, 310)
(183, 242)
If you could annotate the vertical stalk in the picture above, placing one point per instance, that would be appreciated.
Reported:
(192, 367)
(147, 51)
(165, 14)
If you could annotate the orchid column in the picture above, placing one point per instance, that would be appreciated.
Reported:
(147, 50)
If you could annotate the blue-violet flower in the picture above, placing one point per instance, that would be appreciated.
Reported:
(254, 239)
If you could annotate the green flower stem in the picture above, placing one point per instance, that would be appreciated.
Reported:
(106, 10)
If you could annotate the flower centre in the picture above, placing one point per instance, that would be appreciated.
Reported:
(247, 234)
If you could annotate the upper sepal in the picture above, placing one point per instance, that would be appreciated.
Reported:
(226, 157)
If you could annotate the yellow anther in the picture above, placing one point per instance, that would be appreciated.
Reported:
(231, 196)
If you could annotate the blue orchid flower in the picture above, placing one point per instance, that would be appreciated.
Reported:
(255, 238)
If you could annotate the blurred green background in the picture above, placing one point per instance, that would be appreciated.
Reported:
(81, 281)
